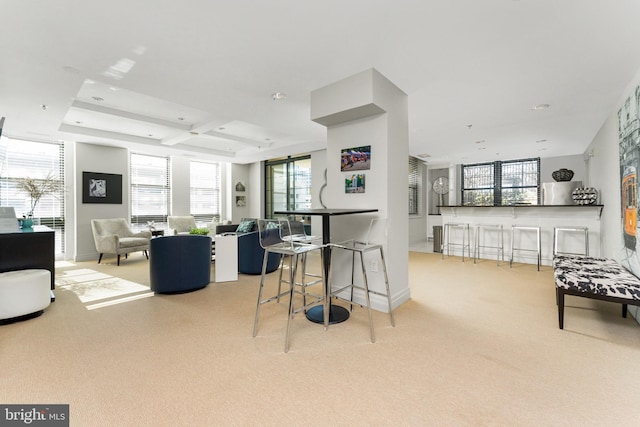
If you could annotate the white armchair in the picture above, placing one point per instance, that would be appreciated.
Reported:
(181, 224)
(114, 236)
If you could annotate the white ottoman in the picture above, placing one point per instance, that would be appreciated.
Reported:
(24, 292)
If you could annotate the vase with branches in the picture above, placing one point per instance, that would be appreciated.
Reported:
(36, 188)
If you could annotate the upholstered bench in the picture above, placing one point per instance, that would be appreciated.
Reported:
(597, 278)
(24, 293)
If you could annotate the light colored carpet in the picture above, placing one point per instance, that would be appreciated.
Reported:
(477, 345)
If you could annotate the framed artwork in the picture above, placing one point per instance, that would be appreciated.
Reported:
(354, 183)
(241, 201)
(240, 186)
(101, 188)
(355, 159)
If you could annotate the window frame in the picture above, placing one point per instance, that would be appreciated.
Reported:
(498, 188)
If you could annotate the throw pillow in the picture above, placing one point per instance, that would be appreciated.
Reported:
(246, 226)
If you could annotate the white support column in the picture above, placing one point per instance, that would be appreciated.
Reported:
(367, 109)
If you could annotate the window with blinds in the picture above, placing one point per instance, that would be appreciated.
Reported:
(37, 160)
(414, 177)
(510, 182)
(205, 191)
(150, 189)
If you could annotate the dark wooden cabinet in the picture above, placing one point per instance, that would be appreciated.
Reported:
(28, 249)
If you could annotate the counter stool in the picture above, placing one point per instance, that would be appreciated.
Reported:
(446, 238)
(494, 228)
(525, 228)
(570, 228)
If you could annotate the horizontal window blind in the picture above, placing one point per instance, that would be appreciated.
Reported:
(36, 160)
(205, 191)
(150, 188)
(414, 176)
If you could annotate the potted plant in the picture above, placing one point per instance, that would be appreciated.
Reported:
(36, 189)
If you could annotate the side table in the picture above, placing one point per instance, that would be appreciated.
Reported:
(226, 269)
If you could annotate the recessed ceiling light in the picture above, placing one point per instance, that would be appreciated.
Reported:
(221, 128)
(267, 139)
(149, 134)
(540, 107)
(44, 106)
(278, 96)
(482, 148)
(78, 122)
(180, 118)
(541, 140)
(97, 98)
(480, 141)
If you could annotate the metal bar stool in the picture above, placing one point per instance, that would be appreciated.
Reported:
(500, 246)
(522, 228)
(271, 241)
(570, 228)
(446, 238)
(361, 248)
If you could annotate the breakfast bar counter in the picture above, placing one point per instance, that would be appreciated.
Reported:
(544, 216)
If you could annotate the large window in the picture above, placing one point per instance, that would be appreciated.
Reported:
(204, 191)
(37, 160)
(150, 190)
(288, 184)
(501, 183)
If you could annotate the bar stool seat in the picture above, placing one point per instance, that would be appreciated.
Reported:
(570, 229)
(497, 228)
(446, 238)
(525, 228)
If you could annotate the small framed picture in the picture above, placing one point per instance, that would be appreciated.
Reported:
(101, 188)
(355, 159)
(240, 187)
(354, 183)
(241, 201)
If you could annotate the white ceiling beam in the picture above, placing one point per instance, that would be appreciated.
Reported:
(128, 115)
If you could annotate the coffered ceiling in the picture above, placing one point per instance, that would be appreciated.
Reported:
(198, 77)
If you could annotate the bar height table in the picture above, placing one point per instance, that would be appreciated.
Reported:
(337, 314)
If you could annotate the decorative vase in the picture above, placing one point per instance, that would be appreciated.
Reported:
(27, 223)
(562, 175)
(585, 196)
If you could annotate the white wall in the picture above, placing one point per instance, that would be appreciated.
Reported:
(603, 164)
(101, 159)
(180, 178)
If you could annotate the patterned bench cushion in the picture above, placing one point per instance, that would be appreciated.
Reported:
(599, 276)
